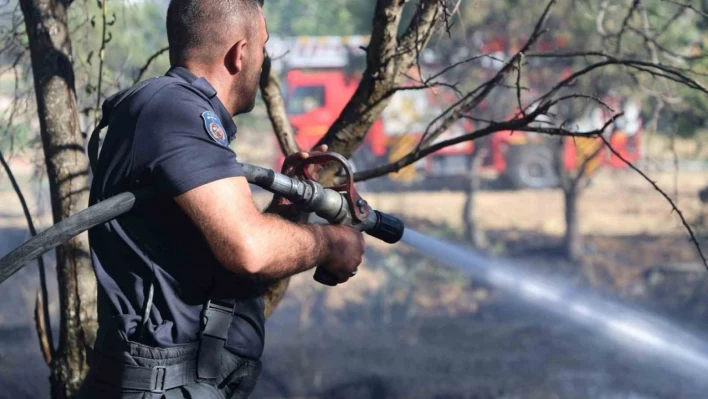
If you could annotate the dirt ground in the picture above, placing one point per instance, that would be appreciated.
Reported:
(616, 203)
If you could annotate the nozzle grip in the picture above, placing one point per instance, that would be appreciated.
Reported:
(387, 228)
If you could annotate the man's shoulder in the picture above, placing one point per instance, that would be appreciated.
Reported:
(169, 105)
(151, 98)
(172, 92)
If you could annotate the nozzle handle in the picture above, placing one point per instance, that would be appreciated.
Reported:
(322, 276)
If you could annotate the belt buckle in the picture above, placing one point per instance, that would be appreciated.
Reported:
(216, 320)
(159, 375)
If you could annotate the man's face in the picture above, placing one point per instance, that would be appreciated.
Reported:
(252, 68)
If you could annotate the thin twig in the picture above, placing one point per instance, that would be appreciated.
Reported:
(666, 196)
(689, 6)
(518, 85)
(272, 96)
(101, 58)
(470, 101)
(520, 124)
(149, 61)
(668, 23)
(625, 24)
(46, 339)
(43, 330)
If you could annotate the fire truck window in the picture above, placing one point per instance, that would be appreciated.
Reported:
(304, 99)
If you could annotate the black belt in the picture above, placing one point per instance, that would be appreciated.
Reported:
(216, 319)
(156, 379)
(202, 364)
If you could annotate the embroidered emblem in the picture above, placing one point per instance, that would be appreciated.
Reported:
(213, 126)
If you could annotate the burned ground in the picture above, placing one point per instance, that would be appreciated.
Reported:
(406, 327)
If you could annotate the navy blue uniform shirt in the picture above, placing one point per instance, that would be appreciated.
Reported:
(173, 137)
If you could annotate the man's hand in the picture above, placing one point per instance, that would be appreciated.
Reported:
(291, 160)
(282, 206)
(345, 252)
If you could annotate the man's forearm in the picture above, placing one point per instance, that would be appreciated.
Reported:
(249, 242)
(285, 248)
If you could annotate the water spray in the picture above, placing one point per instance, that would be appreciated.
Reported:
(630, 327)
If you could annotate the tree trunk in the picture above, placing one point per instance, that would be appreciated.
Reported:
(573, 242)
(389, 57)
(473, 234)
(67, 171)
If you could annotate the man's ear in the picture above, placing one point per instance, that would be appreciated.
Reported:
(235, 58)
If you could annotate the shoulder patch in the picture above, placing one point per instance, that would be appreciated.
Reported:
(213, 126)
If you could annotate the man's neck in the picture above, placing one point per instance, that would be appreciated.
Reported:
(216, 78)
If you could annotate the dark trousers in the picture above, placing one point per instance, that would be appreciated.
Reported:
(129, 370)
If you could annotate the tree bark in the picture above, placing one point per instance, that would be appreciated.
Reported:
(275, 106)
(473, 234)
(572, 245)
(388, 58)
(573, 241)
(573, 185)
(67, 171)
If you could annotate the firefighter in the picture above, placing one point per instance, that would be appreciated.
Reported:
(181, 277)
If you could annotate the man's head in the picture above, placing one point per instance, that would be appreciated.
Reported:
(223, 39)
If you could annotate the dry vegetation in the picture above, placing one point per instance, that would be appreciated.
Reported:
(617, 203)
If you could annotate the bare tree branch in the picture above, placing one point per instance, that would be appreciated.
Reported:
(519, 124)
(430, 81)
(105, 38)
(580, 174)
(388, 59)
(147, 64)
(665, 50)
(44, 330)
(668, 23)
(625, 24)
(275, 106)
(666, 196)
(656, 70)
(688, 6)
(518, 85)
(443, 121)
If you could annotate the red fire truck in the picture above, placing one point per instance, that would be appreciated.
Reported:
(319, 79)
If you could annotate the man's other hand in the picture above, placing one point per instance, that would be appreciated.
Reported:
(292, 159)
(282, 206)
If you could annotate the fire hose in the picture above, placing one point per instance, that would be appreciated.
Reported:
(337, 204)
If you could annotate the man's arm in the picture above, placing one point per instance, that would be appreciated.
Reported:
(246, 241)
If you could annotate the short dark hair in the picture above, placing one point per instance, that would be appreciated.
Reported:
(195, 28)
